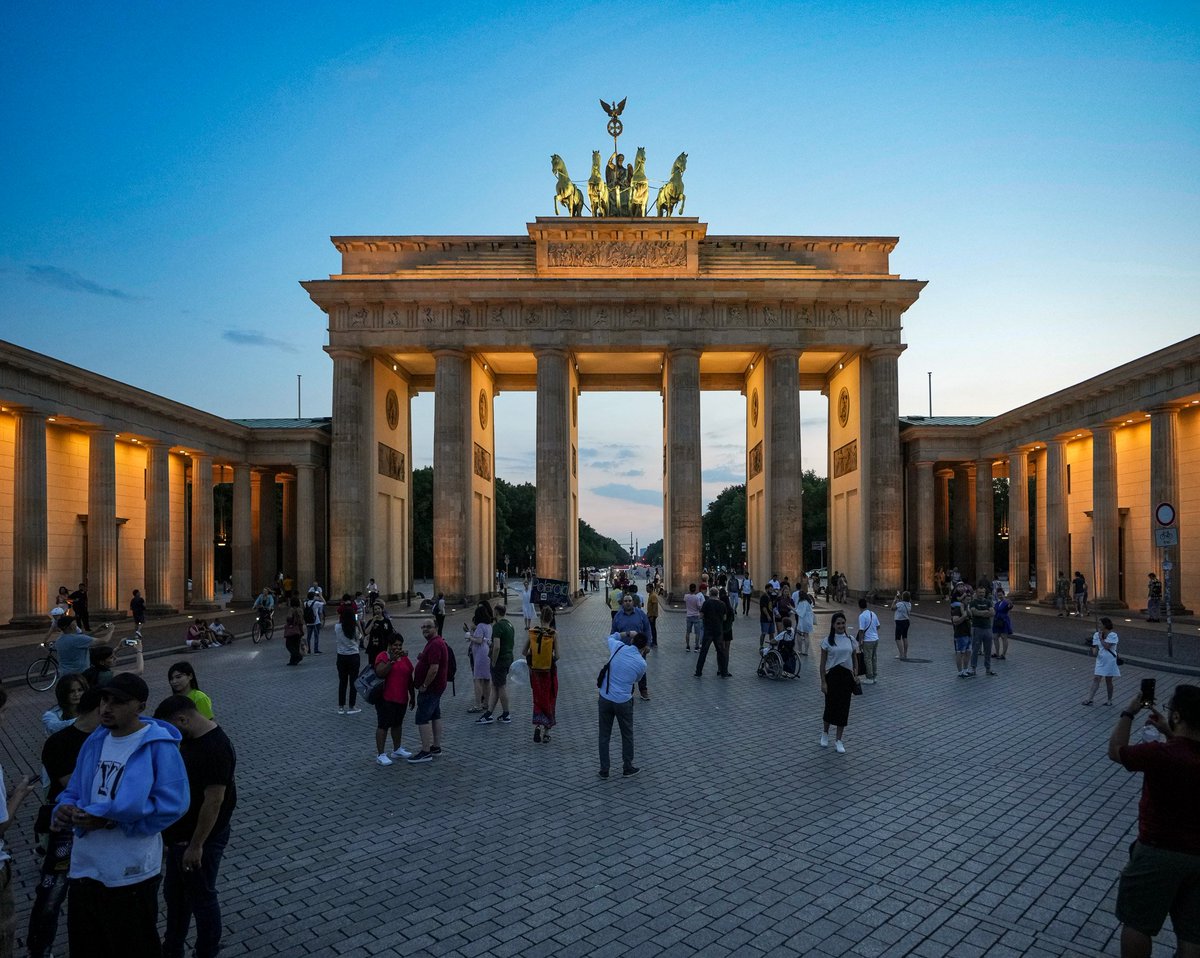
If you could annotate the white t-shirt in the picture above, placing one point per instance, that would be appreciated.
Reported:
(691, 604)
(868, 624)
(902, 609)
(108, 855)
(839, 653)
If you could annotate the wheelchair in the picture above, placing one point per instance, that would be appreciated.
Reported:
(779, 663)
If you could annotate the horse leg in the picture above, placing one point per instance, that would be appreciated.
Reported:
(682, 200)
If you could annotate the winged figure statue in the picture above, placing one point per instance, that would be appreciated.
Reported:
(613, 111)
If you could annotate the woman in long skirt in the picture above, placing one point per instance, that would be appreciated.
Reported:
(541, 652)
(838, 678)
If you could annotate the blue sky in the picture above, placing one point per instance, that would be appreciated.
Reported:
(173, 172)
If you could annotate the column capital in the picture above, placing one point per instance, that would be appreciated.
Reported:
(447, 352)
(1164, 410)
(1103, 427)
(346, 352)
(890, 350)
(784, 352)
(680, 352)
(945, 473)
(924, 464)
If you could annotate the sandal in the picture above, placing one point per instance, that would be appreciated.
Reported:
(546, 737)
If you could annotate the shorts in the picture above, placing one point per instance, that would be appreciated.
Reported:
(962, 643)
(766, 626)
(429, 707)
(389, 714)
(1158, 882)
(500, 676)
(693, 625)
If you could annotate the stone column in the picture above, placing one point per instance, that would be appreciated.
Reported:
(985, 522)
(306, 527)
(102, 521)
(30, 530)
(452, 457)
(924, 523)
(202, 531)
(886, 511)
(289, 530)
(347, 474)
(243, 536)
(1106, 520)
(268, 529)
(963, 550)
(1018, 523)
(941, 543)
(683, 520)
(1164, 487)
(785, 487)
(553, 463)
(157, 584)
(1057, 552)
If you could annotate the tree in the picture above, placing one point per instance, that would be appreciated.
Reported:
(597, 550)
(422, 493)
(516, 523)
(816, 516)
(724, 527)
(653, 553)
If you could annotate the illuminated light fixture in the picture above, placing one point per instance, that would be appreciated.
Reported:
(395, 368)
(51, 419)
(1128, 422)
(840, 365)
(485, 366)
(1147, 416)
(117, 436)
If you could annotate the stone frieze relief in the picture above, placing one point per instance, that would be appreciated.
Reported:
(647, 254)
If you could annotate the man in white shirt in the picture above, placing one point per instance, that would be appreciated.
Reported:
(868, 635)
(626, 665)
(691, 607)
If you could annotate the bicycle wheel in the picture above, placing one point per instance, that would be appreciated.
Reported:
(42, 674)
(256, 634)
(270, 629)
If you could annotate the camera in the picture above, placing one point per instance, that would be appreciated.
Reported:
(1148, 693)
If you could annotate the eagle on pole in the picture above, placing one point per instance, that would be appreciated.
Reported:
(613, 111)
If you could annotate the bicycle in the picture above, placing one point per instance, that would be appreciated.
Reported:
(43, 673)
(263, 627)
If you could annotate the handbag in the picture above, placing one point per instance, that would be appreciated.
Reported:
(603, 676)
(369, 684)
(856, 688)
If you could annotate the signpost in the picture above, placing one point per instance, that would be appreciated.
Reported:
(1166, 536)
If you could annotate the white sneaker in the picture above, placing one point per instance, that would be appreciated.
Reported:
(839, 747)
(341, 711)
(402, 752)
(354, 711)
(824, 740)
(382, 759)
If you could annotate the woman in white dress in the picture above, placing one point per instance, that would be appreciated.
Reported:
(804, 621)
(527, 610)
(1104, 648)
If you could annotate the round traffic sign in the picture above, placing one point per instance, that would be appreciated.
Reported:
(1164, 514)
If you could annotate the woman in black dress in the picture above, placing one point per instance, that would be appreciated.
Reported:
(839, 676)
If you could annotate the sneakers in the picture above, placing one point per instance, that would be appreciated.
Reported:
(990, 672)
(506, 719)
(402, 752)
(414, 759)
(603, 773)
(485, 719)
(342, 710)
(824, 740)
(969, 673)
(382, 759)
(353, 711)
(435, 750)
(839, 747)
(645, 697)
(632, 770)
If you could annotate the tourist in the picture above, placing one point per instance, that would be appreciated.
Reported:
(59, 755)
(1104, 648)
(314, 618)
(182, 679)
(397, 696)
(803, 622)
(726, 626)
(8, 810)
(1062, 589)
(652, 609)
(527, 610)
(73, 647)
(901, 610)
(64, 617)
(264, 605)
(117, 855)
(79, 606)
(627, 622)
(1163, 874)
(541, 652)
(196, 843)
(197, 635)
(814, 585)
(67, 693)
(766, 612)
(1154, 596)
(1079, 592)
(691, 608)
(626, 665)
(293, 632)
(104, 660)
(785, 644)
(960, 619)
(868, 637)
(430, 677)
(480, 650)
(439, 613)
(981, 610)
(712, 616)
(348, 663)
(1002, 628)
(839, 676)
(137, 609)
(347, 613)
(503, 641)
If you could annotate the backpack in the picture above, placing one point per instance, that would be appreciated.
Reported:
(541, 651)
(310, 617)
(451, 669)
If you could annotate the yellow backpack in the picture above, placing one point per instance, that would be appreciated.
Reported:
(541, 649)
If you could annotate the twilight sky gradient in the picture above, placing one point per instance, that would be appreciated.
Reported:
(173, 171)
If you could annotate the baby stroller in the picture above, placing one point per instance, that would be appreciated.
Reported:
(779, 658)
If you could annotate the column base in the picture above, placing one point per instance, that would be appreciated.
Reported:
(1107, 605)
(161, 610)
(31, 621)
(203, 607)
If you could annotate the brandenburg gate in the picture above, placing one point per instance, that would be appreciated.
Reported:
(611, 303)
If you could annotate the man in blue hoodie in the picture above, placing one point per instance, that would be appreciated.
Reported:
(128, 785)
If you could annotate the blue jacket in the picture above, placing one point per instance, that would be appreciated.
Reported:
(154, 788)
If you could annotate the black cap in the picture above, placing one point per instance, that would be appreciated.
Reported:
(126, 687)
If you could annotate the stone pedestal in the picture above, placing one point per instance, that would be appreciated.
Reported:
(30, 537)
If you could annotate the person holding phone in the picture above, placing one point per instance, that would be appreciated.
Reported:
(1163, 874)
(1104, 648)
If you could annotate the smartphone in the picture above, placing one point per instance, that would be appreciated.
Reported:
(1148, 693)
(130, 642)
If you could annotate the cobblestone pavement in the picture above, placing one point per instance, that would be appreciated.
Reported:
(969, 817)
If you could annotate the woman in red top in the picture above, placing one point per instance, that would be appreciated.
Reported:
(399, 692)
(541, 652)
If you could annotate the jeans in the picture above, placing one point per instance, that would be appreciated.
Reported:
(653, 629)
(713, 638)
(981, 637)
(314, 637)
(870, 659)
(348, 668)
(50, 894)
(193, 893)
(93, 927)
(623, 713)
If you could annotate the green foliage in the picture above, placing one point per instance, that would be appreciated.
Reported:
(725, 523)
(516, 511)
(653, 553)
(816, 516)
(422, 493)
(597, 550)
